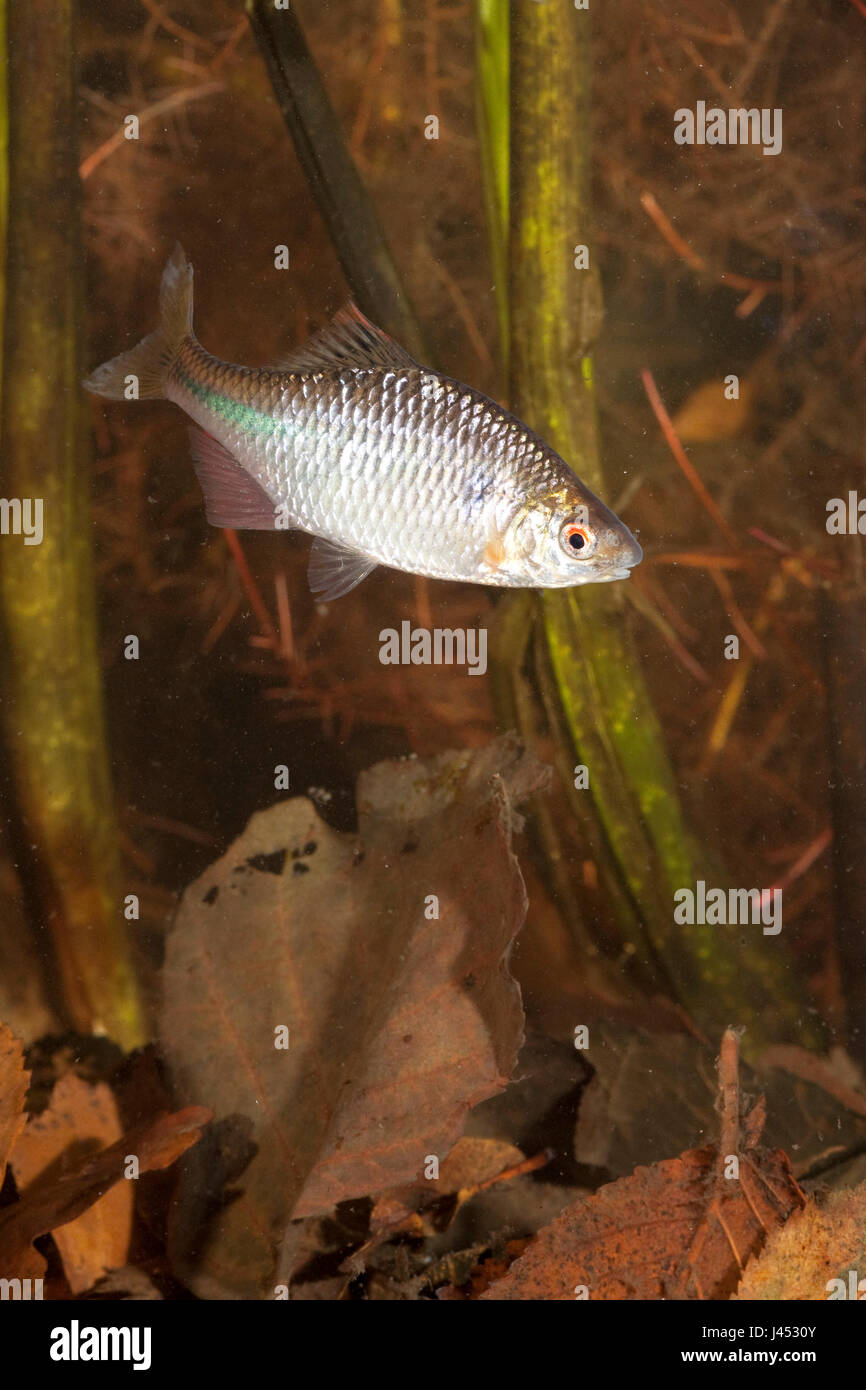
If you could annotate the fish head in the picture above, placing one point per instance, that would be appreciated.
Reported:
(569, 537)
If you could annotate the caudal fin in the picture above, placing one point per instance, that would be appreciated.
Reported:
(148, 364)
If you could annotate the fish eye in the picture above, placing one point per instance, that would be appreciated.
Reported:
(577, 541)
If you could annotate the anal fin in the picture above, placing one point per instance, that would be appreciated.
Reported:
(231, 497)
(334, 569)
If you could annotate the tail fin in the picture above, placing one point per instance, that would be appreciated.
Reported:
(150, 361)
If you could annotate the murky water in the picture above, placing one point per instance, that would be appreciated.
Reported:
(695, 857)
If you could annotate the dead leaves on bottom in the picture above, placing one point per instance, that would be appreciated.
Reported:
(723, 1221)
(819, 1254)
(347, 997)
(720, 1221)
(677, 1230)
(67, 1175)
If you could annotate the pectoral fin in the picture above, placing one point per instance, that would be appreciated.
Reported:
(335, 570)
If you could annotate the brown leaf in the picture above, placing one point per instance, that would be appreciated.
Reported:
(399, 1022)
(472, 1166)
(54, 1202)
(672, 1231)
(14, 1081)
(823, 1242)
(707, 415)
(79, 1120)
(472, 1162)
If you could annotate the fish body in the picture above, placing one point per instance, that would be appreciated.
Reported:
(380, 459)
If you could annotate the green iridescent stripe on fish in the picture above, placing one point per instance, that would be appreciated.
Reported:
(228, 409)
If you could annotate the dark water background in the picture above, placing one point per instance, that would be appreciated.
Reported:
(198, 724)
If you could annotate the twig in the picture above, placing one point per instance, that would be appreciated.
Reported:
(460, 303)
(730, 701)
(750, 303)
(284, 617)
(805, 861)
(736, 615)
(649, 610)
(517, 1170)
(150, 113)
(655, 590)
(726, 712)
(706, 70)
(269, 632)
(422, 601)
(729, 1096)
(230, 44)
(698, 559)
(771, 23)
(650, 205)
(172, 27)
(807, 561)
(679, 454)
(217, 628)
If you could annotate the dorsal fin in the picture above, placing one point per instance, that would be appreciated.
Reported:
(349, 340)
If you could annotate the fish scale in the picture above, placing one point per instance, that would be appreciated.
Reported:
(380, 459)
(345, 426)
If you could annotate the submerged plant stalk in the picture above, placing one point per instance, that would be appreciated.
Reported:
(591, 684)
(332, 174)
(492, 59)
(51, 700)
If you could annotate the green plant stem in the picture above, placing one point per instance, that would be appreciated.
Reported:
(492, 60)
(52, 702)
(590, 680)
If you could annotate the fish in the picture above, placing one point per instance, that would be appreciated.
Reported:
(381, 460)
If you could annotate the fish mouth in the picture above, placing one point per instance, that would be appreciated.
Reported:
(607, 576)
(632, 553)
(623, 563)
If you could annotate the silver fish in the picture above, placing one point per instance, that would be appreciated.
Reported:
(383, 461)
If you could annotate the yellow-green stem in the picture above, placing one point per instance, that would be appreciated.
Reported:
(491, 85)
(51, 698)
(591, 683)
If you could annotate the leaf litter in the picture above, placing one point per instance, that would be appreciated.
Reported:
(67, 1173)
(393, 1150)
(382, 956)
